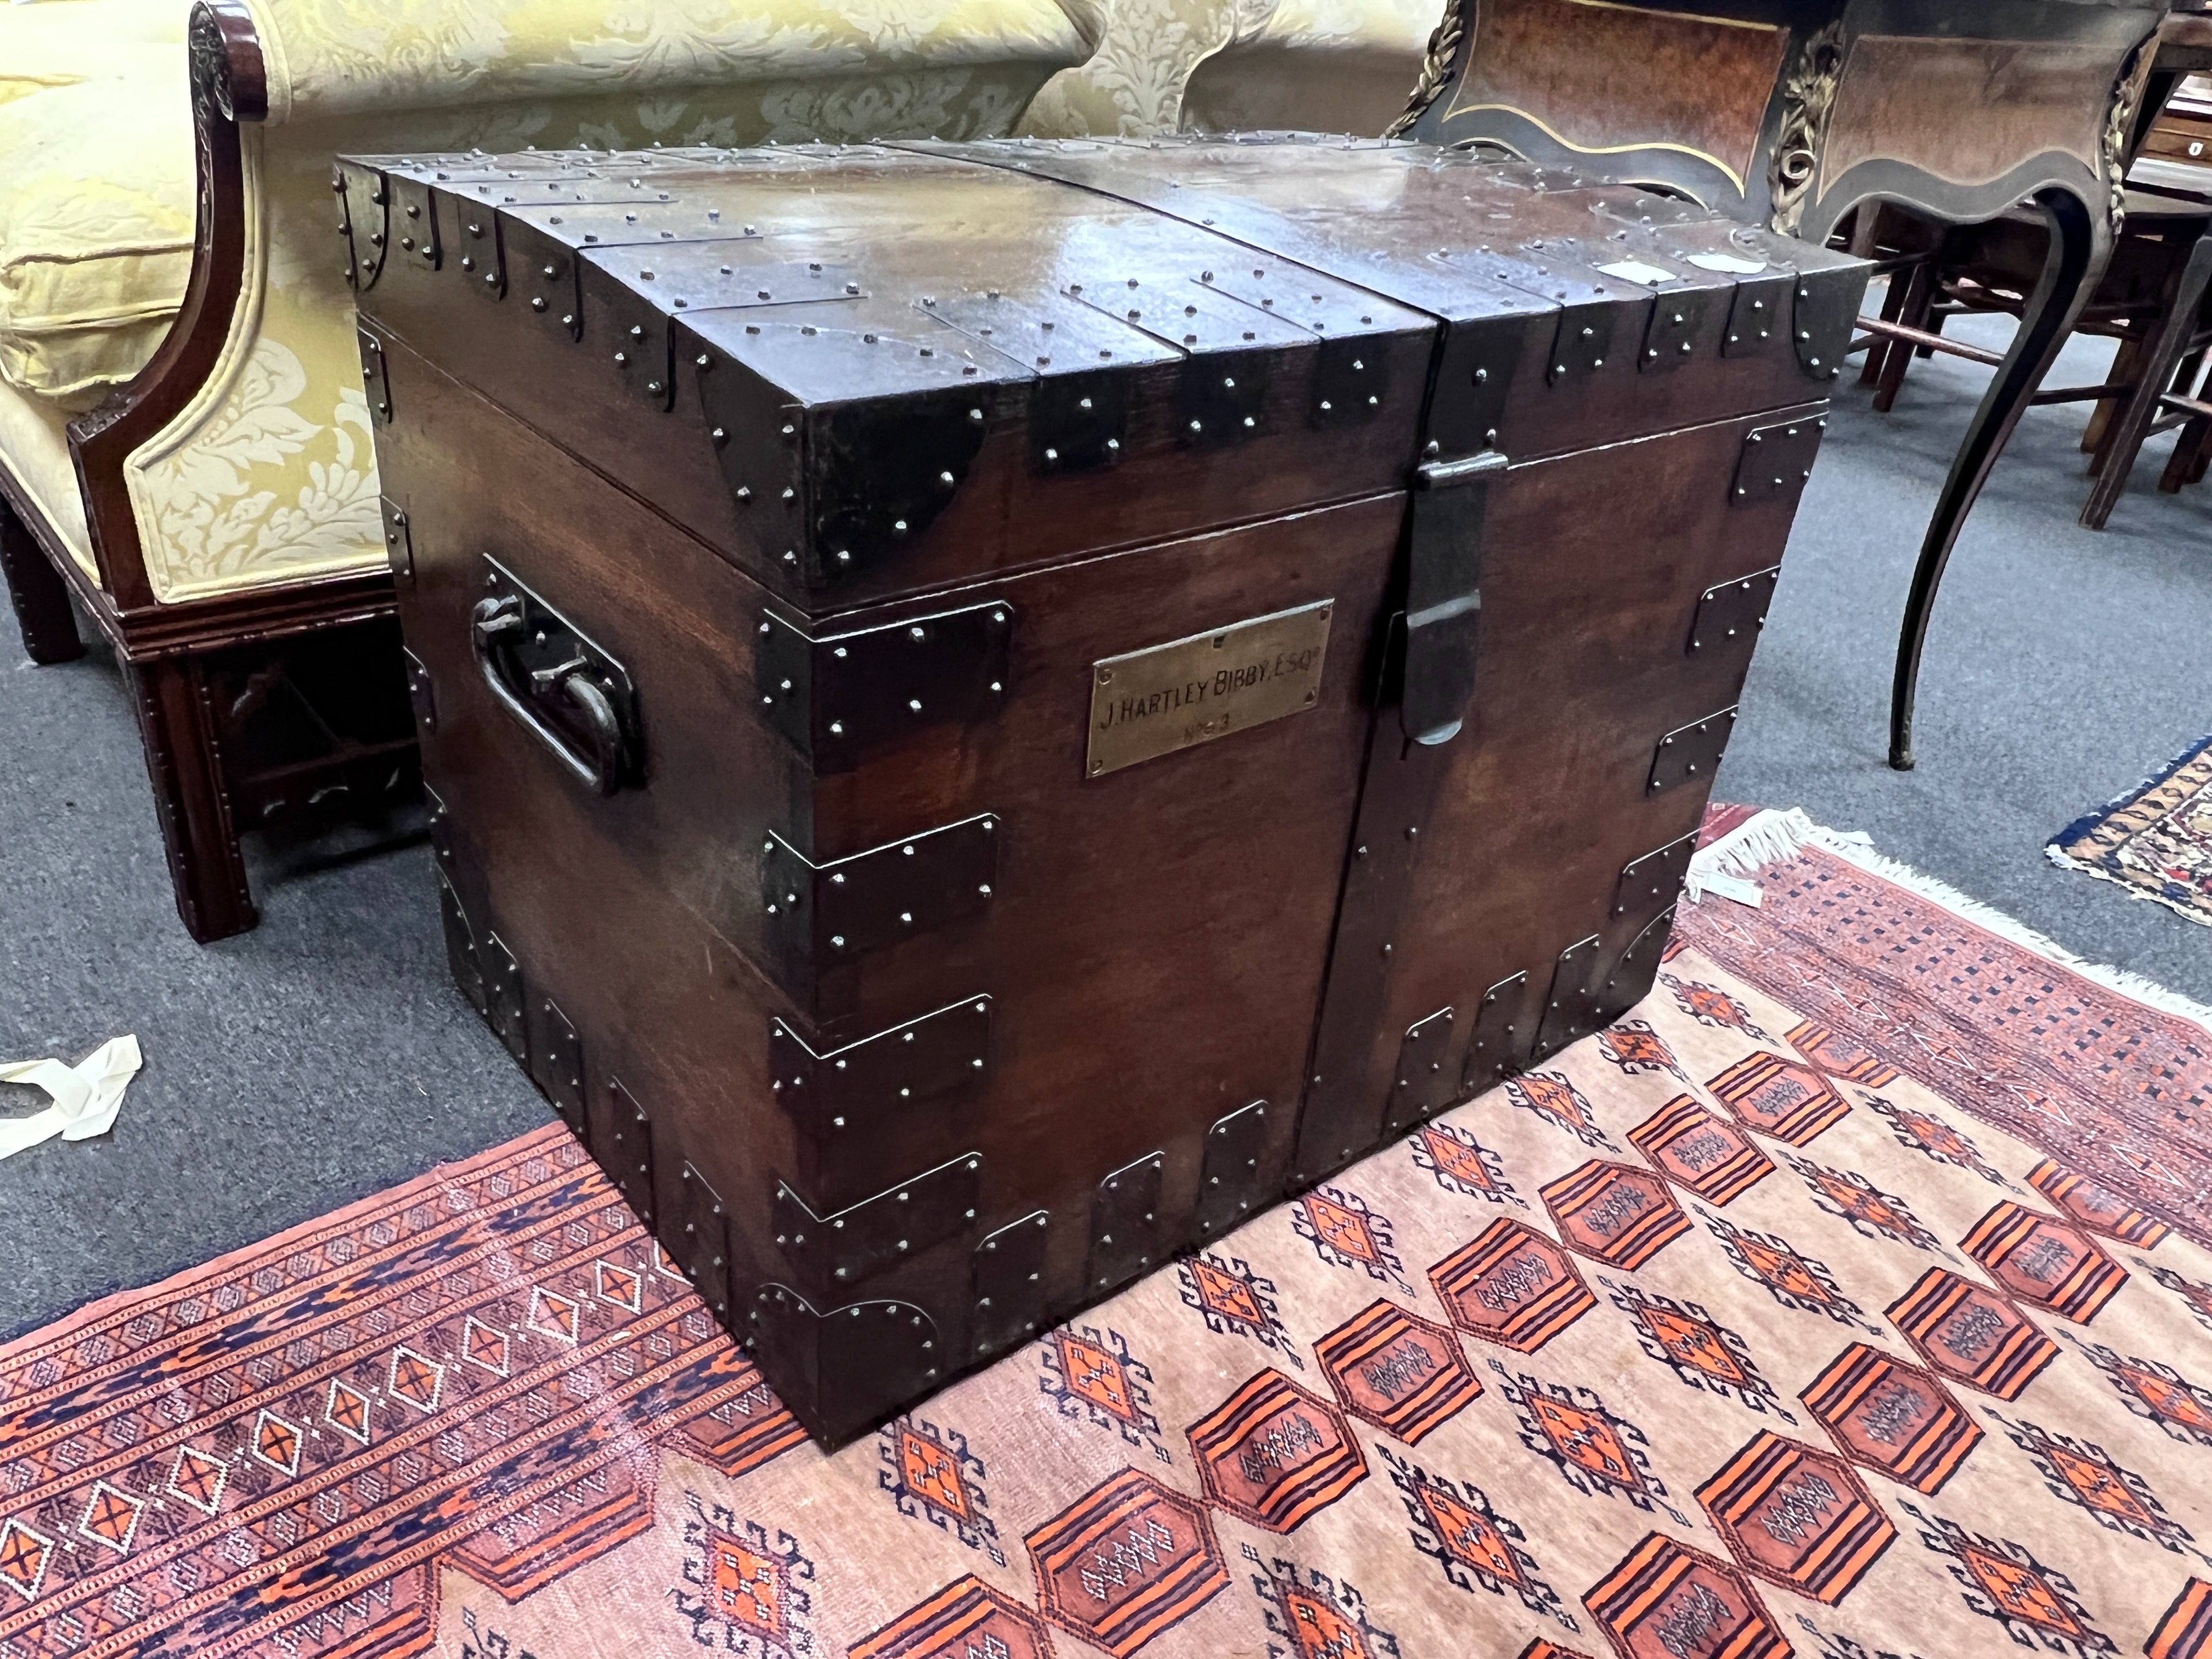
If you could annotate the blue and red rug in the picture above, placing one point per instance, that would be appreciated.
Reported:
(1851, 1298)
(2155, 842)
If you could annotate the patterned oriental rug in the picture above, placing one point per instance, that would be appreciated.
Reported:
(2155, 842)
(1849, 1299)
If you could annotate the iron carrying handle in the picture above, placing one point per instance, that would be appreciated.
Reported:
(564, 704)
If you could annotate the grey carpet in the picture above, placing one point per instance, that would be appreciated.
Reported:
(326, 1055)
(288, 1071)
(2063, 665)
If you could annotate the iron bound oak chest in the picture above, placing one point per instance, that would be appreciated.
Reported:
(991, 709)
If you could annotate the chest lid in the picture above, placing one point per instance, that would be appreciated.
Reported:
(871, 370)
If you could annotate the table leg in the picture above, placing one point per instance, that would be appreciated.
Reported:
(2080, 246)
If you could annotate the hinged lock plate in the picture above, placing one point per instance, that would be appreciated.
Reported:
(1826, 307)
(505, 1004)
(476, 251)
(1568, 1010)
(1584, 340)
(1008, 1285)
(843, 1368)
(697, 1239)
(883, 469)
(847, 1247)
(1444, 596)
(851, 1090)
(1692, 753)
(1629, 978)
(1185, 692)
(1649, 884)
(399, 542)
(1684, 325)
(1078, 423)
(1759, 314)
(1422, 1084)
(1231, 1181)
(1730, 614)
(1221, 397)
(1129, 1230)
(422, 695)
(1497, 1047)
(1350, 378)
(375, 381)
(559, 1064)
(823, 913)
(1777, 460)
(461, 947)
(839, 696)
(625, 1149)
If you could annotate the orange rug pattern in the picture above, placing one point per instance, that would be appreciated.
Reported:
(1818, 1308)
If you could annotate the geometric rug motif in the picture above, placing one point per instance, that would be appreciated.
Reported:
(1973, 1333)
(1582, 1371)
(2113, 1088)
(1798, 1516)
(2155, 842)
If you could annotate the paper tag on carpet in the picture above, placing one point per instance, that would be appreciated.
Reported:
(87, 1096)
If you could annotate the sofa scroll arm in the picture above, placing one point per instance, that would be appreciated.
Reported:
(229, 85)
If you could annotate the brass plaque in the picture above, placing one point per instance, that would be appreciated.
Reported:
(1192, 691)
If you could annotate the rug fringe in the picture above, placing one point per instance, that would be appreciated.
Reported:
(2055, 849)
(1775, 834)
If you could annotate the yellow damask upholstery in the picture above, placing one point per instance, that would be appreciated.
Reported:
(96, 206)
(268, 476)
(1321, 65)
(1220, 65)
(53, 44)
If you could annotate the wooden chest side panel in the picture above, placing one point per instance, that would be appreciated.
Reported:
(1154, 951)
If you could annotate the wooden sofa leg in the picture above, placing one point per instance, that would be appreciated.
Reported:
(205, 867)
(41, 597)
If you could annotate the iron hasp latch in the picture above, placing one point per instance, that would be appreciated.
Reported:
(1444, 598)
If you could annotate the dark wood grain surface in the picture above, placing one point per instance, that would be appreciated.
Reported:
(1514, 540)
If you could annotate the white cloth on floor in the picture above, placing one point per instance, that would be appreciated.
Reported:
(87, 1096)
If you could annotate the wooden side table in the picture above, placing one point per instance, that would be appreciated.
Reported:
(1791, 113)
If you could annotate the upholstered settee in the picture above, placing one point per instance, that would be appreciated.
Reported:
(185, 442)
(1225, 65)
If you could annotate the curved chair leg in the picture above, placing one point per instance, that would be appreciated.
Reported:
(41, 597)
(2079, 249)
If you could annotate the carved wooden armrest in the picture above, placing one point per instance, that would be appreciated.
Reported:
(230, 84)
